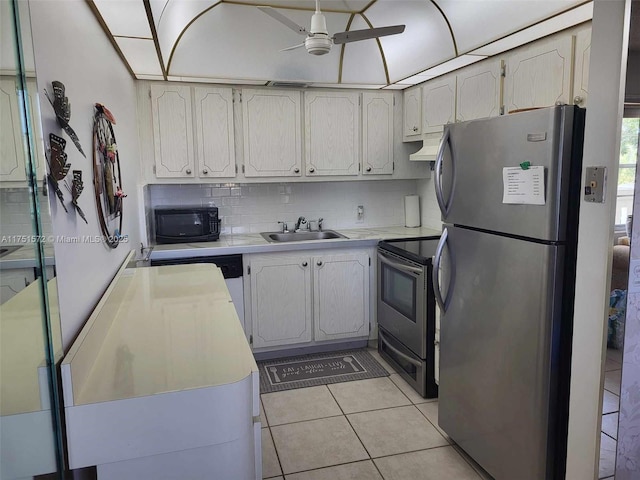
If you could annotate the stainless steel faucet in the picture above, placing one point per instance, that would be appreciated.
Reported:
(300, 221)
(285, 228)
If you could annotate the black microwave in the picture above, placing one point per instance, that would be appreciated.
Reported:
(187, 224)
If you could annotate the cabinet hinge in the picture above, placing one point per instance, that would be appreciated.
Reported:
(149, 92)
(369, 261)
(243, 168)
(250, 339)
(394, 101)
(236, 168)
(240, 97)
(154, 169)
(502, 110)
(393, 166)
(503, 71)
(359, 167)
(359, 100)
(249, 270)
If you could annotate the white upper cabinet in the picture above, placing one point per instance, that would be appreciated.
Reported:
(214, 132)
(478, 88)
(172, 130)
(438, 103)
(377, 133)
(412, 114)
(271, 124)
(12, 159)
(340, 296)
(332, 133)
(581, 74)
(539, 74)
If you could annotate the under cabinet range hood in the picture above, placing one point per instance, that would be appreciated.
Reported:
(429, 150)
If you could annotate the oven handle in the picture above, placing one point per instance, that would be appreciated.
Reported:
(436, 270)
(398, 352)
(400, 266)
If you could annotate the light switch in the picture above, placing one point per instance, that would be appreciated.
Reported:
(595, 179)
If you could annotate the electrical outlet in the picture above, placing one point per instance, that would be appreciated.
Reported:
(360, 214)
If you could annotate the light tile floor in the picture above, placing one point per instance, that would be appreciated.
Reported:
(610, 407)
(377, 429)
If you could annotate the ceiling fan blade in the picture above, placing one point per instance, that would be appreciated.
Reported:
(276, 15)
(292, 48)
(357, 35)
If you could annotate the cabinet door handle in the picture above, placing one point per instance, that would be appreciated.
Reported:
(578, 100)
(319, 263)
(415, 129)
(311, 170)
(205, 171)
(188, 171)
(304, 264)
(368, 169)
(296, 170)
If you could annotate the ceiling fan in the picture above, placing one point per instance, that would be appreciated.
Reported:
(318, 41)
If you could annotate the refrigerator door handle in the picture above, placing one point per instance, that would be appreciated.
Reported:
(444, 206)
(442, 303)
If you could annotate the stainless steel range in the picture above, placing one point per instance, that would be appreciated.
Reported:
(406, 310)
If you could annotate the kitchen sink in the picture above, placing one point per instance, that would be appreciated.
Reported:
(276, 237)
(7, 250)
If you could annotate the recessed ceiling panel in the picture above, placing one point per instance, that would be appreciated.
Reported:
(237, 41)
(141, 55)
(560, 22)
(325, 5)
(157, 8)
(496, 18)
(362, 62)
(126, 18)
(425, 42)
(175, 18)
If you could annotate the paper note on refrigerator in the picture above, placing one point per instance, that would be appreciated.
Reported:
(523, 186)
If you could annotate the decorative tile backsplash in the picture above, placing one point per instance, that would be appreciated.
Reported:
(258, 207)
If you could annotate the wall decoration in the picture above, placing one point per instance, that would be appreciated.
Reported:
(58, 166)
(107, 176)
(76, 188)
(62, 108)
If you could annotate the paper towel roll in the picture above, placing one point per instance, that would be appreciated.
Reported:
(411, 211)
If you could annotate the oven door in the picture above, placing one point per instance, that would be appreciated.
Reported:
(402, 299)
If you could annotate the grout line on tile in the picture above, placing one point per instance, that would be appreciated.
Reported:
(473, 467)
(273, 440)
(328, 466)
(309, 420)
(605, 433)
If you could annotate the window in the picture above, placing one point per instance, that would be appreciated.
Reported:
(627, 168)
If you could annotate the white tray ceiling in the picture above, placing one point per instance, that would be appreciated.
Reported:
(233, 41)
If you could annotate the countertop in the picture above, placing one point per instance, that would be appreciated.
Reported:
(25, 256)
(254, 243)
(158, 330)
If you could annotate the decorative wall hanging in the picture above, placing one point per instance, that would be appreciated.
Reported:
(58, 166)
(76, 188)
(107, 176)
(62, 108)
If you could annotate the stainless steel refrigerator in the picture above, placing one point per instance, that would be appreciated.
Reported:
(509, 192)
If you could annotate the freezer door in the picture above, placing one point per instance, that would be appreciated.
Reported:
(470, 187)
(496, 349)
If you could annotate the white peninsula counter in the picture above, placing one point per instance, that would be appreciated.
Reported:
(161, 382)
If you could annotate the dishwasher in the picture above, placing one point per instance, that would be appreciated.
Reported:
(231, 266)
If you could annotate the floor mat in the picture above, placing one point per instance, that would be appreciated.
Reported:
(318, 369)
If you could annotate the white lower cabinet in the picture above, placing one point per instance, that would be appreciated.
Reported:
(280, 300)
(340, 296)
(303, 298)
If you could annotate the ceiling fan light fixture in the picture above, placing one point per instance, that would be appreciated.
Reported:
(318, 45)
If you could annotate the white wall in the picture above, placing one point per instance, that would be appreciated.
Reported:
(70, 46)
(609, 40)
(429, 210)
